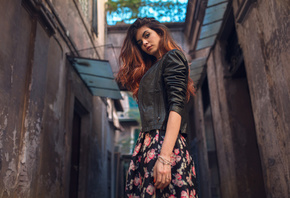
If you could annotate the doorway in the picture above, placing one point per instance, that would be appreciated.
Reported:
(76, 139)
(210, 142)
(245, 147)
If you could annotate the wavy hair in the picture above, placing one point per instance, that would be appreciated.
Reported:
(135, 62)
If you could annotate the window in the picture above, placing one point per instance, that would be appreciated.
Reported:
(95, 17)
(85, 7)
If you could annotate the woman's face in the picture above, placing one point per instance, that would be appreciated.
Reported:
(148, 40)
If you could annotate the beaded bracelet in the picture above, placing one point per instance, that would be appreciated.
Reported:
(163, 160)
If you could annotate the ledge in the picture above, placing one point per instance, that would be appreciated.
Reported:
(243, 10)
(37, 10)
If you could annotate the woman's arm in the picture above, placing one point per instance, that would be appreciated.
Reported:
(172, 130)
(162, 173)
(175, 76)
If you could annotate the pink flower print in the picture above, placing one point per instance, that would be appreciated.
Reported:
(157, 136)
(171, 196)
(130, 196)
(150, 189)
(172, 160)
(137, 181)
(184, 194)
(193, 171)
(150, 155)
(176, 151)
(183, 140)
(137, 149)
(189, 180)
(187, 157)
(177, 158)
(174, 182)
(192, 194)
(132, 166)
(180, 183)
(147, 140)
(146, 175)
(139, 158)
(178, 176)
(140, 133)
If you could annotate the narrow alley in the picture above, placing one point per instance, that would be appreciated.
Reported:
(68, 128)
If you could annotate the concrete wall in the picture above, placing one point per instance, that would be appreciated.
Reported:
(39, 93)
(250, 109)
(264, 38)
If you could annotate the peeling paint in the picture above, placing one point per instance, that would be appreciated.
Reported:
(15, 145)
(10, 177)
(3, 127)
(7, 156)
(55, 108)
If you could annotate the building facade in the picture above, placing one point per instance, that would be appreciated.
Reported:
(240, 52)
(56, 135)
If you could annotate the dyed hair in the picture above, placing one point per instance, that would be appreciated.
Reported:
(135, 62)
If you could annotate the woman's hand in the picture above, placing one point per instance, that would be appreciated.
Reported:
(161, 174)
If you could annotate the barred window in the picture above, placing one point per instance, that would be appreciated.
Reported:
(85, 7)
(95, 17)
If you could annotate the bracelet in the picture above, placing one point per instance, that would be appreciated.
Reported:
(163, 160)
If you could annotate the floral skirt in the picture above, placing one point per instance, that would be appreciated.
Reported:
(139, 182)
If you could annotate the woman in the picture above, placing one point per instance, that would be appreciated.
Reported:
(156, 71)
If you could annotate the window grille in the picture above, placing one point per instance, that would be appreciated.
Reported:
(85, 7)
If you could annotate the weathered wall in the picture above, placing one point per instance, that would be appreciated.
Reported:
(264, 38)
(38, 93)
(250, 112)
(236, 144)
(201, 165)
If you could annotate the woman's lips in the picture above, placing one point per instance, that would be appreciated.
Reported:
(148, 48)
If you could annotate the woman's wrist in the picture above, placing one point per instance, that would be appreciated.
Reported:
(166, 155)
(164, 161)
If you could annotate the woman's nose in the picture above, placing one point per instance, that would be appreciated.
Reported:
(145, 42)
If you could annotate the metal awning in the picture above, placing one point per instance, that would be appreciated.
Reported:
(98, 76)
(211, 25)
(197, 69)
(212, 22)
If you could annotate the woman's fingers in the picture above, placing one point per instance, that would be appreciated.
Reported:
(162, 175)
(165, 181)
(158, 179)
(162, 183)
(158, 174)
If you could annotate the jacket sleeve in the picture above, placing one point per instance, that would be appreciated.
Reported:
(175, 75)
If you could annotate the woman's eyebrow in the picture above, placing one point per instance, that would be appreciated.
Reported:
(142, 35)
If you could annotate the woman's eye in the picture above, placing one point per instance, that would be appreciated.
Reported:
(147, 35)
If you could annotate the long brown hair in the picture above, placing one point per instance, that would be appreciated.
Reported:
(135, 62)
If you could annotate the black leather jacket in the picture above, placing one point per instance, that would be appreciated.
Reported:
(163, 89)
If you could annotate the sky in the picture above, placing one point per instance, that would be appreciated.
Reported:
(174, 13)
